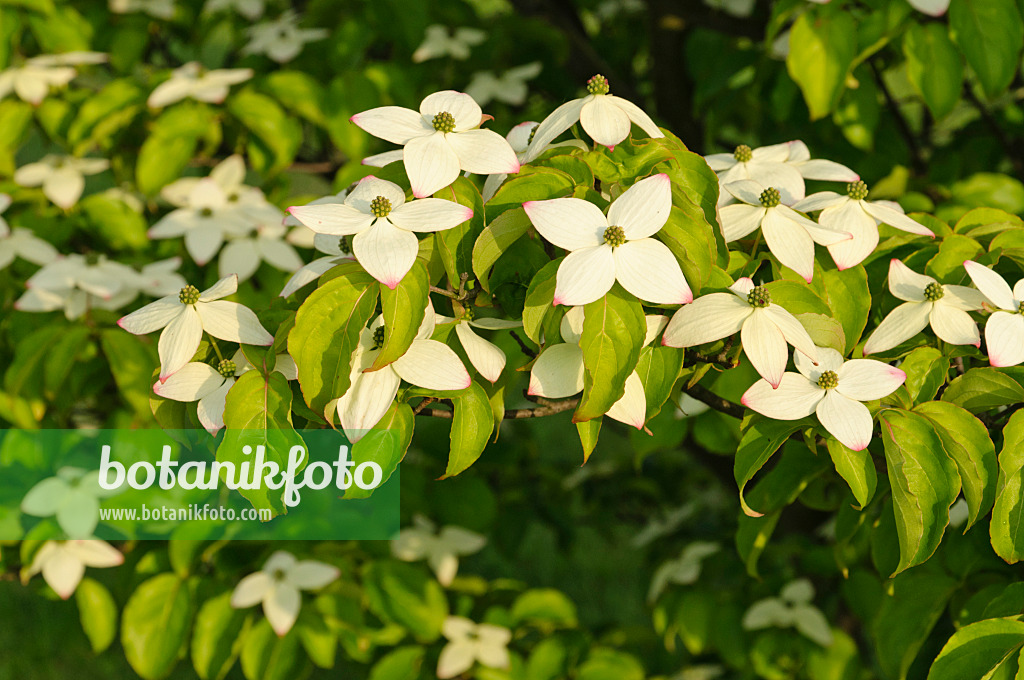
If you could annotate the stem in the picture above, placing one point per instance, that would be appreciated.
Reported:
(216, 348)
(522, 345)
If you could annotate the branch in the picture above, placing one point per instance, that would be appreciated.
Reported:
(716, 402)
(548, 408)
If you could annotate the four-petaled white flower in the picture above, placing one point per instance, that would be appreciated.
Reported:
(159, 9)
(618, 247)
(1004, 330)
(427, 363)
(193, 81)
(250, 9)
(32, 80)
(207, 220)
(77, 283)
(605, 117)
(61, 177)
(508, 88)
(469, 643)
(63, 563)
(441, 549)
(792, 608)
(854, 214)
(384, 225)
(834, 390)
(25, 244)
(485, 356)
(242, 255)
(766, 165)
(440, 41)
(789, 235)
(338, 250)
(942, 306)
(187, 314)
(764, 327)
(278, 588)
(72, 496)
(441, 139)
(281, 39)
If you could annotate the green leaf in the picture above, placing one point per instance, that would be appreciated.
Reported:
(760, 438)
(926, 369)
(530, 184)
(544, 607)
(98, 613)
(15, 118)
(924, 482)
(977, 650)
(115, 222)
(823, 44)
(857, 468)
(690, 238)
(171, 144)
(1007, 526)
(658, 368)
(610, 664)
(797, 297)
(824, 330)
(265, 656)
(909, 610)
(981, 389)
(386, 445)
(403, 663)
(407, 596)
(104, 114)
(588, 431)
(948, 264)
(456, 245)
(539, 298)
(849, 300)
(472, 425)
(280, 134)
(990, 34)
(155, 625)
(495, 239)
(298, 92)
(217, 637)
(933, 66)
(402, 309)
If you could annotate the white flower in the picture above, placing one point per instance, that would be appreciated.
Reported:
(469, 643)
(441, 139)
(605, 117)
(764, 327)
(205, 223)
(250, 9)
(440, 42)
(24, 244)
(1004, 330)
(278, 587)
(685, 570)
(935, 8)
(282, 40)
(192, 81)
(332, 245)
(558, 371)
(789, 235)
(766, 165)
(427, 363)
(63, 563)
(792, 609)
(61, 177)
(519, 139)
(817, 168)
(441, 549)
(161, 278)
(32, 80)
(834, 390)
(242, 255)
(485, 356)
(384, 225)
(186, 315)
(228, 175)
(509, 87)
(77, 283)
(196, 381)
(945, 307)
(160, 9)
(854, 214)
(618, 247)
(72, 496)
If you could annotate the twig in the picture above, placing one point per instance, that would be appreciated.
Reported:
(522, 345)
(716, 402)
(427, 401)
(548, 409)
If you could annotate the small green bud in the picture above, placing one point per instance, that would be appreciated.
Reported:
(227, 368)
(533, 131)
(743, 153)
(759, 297)
(770, 197)
(858, 190)
(933, 292)
(615, 236)
(378, 337)
(92, 259)
(598, 85)
(206, 212)
(828, 380)
(343, 245)
(469, 313)
(189, 295)
(444, 122)
(380, 207)
(1020, 307)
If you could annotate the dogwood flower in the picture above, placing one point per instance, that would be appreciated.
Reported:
(186, 315)
(789, 235)
(242, 256)
(63, 563)
(519, 139)
(486, 357)
(833, 389)
(508, 88)
(228, 175)
(427, 363)
(618, 247)
(766, 165)
(291, 221)
(159, 9)
(250, 9)
(72, 496)
(942, 306)
(853, 213)
(817, 168)
(443, 138)
(764, 327)
(440, 41)
(1004, 330)
(384, 225)
(469, 643)
(278, 588)
(605, 117)
(441, 549)
(25, 244)
(281, 39)
(61, 177)
(161, 278)
(338, 250)
(207, 221)
(77, 283)
(192, 81)
(792, 608)
(32, 80)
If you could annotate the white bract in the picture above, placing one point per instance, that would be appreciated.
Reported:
(77, 283)
(617, 247)
(61, 177)
(159, 9)
(766, 165)
(469, 643)
(32, 80)
(764, 327)
(508, 88)
(1004, 330)
(605, 117)
(442, 139)
(25, 244)
(441, 549)
(427, 363)
(792, 609)
(192, 81)
(63, 563)
(337, 249)
(440, 41)
(161, 278)
(684, 571)
(250, 9)
(281, 39)
(72, 496)
(486, 357)
(559, 370)
(817, 168)
(206, 222)
(383, 224)
(833, 389)
(789, 235)
(278, 588)
(928, 302)
(935, 8)
(187, 314)
(854, 214)
(242, 255)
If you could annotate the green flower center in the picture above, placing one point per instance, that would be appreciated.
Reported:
(858, 190)
(598, 85)
(615, 236)
(378, 337)
(933, 292)
(278, 574)
(343, 245)
(759, 297)
(444, 122)
(233, 198)
(380, 207)
(227, 368)
(770, 197)
(1020, 307)
(189, 295)
(92, 259)
(469, 314)
(533, 131)
(206, 212)
(743, 153)
(828, 380)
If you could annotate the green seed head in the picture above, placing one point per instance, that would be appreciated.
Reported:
(444, 122)
(378, 337)
(469, 314)
(189, 295)
(278, 575)
(598, 85)
(227, 368)
(92, 259)
(343, 245)
(1020, 307)
(615, 236)
(533, 131)
(858, 190)
(380, 207)
(206, 212)
(233, 198)
(933, 292)
(828, 380)
(770, 197)
(743, 153)
(759, 297)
